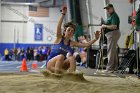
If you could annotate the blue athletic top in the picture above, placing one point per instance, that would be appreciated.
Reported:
(60, 48)
(81, 49)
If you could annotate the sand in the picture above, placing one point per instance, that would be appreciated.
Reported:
(37, 83)
(75, 77)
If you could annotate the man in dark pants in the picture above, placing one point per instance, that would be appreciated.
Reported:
(112, 32)
(138, 31)
(134, 60)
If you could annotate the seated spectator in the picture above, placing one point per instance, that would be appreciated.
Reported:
(83, 55)
(82, 51)
(76, 54)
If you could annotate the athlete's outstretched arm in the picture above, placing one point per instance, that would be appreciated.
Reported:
(77, 44)
(64, 11)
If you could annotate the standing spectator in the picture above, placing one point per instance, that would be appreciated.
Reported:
(6, 54)
(112, 32)
(22, 53)
(18, 54)
(28, 55)
(0, 56)
(38, 54)
(35, 53)
(48, 51)
(32, 53)
(44, 53)
(138, 31)
(15, 53)
(11, 54)
(41, 55)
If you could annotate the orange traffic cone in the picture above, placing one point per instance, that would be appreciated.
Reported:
(24, 66)
(34, 65)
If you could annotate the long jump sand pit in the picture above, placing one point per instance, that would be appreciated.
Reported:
(76, 77)
(37, 83)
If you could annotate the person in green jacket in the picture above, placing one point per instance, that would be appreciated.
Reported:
(112, 32)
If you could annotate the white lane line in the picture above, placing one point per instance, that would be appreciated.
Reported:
(21, 64)
(18, 66)
(10, 62)
(6, 65)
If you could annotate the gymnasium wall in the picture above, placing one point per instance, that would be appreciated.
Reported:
(95, 13)
(18, 31)
(137, 2)
(122, 7)
(84, 17)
